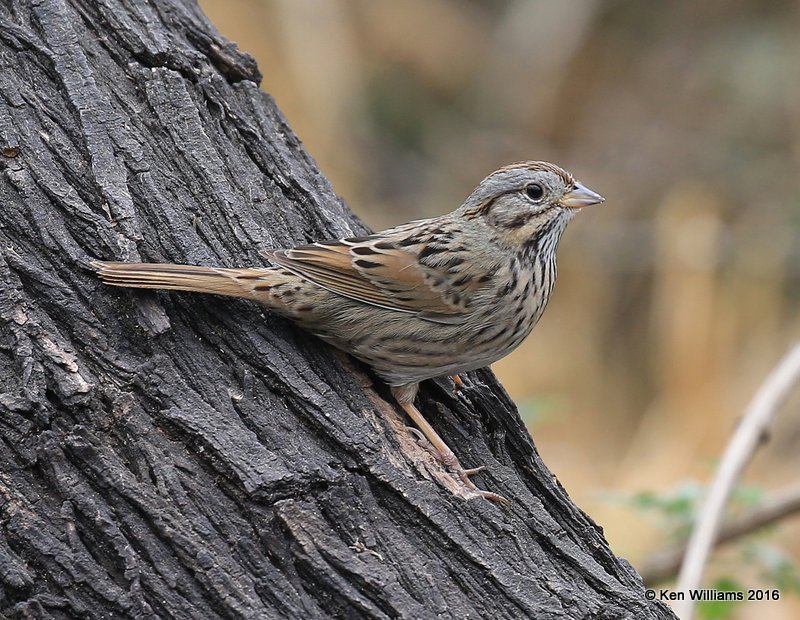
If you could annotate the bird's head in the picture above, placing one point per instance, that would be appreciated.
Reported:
(523, 201)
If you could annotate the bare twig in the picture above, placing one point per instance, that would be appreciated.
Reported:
(664, 565)
(745, 439)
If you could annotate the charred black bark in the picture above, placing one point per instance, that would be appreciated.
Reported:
(176, 456)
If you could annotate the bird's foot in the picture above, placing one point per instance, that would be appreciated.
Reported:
(440, 449)
(450, 462)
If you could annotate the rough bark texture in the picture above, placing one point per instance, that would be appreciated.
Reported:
(176, 456)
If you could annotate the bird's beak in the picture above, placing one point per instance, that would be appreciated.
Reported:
(580, 197)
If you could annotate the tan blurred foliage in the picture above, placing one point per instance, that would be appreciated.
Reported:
(675, 297)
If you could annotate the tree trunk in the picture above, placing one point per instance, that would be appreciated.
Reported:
(179, 456)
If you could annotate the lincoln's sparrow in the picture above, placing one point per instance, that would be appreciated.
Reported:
(426, 299)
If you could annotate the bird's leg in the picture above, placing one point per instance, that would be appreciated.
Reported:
(421, 437)
(404, 395)
(459, 384)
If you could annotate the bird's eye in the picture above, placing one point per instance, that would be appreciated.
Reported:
(534, 191)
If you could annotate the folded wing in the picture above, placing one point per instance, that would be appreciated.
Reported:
(386, 270)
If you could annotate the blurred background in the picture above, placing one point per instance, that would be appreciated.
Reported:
(675, 298)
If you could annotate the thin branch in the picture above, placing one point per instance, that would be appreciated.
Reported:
(663, 565)
(745, 440)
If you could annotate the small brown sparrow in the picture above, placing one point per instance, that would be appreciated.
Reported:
(429, 298)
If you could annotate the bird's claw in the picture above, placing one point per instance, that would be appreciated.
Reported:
(493, 497)
(418, 434)
(450, 462)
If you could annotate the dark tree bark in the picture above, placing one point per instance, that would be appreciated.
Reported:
(177, 456)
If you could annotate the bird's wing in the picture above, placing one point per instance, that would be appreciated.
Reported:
(414, 268)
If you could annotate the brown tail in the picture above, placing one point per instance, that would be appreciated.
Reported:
(247, 283)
